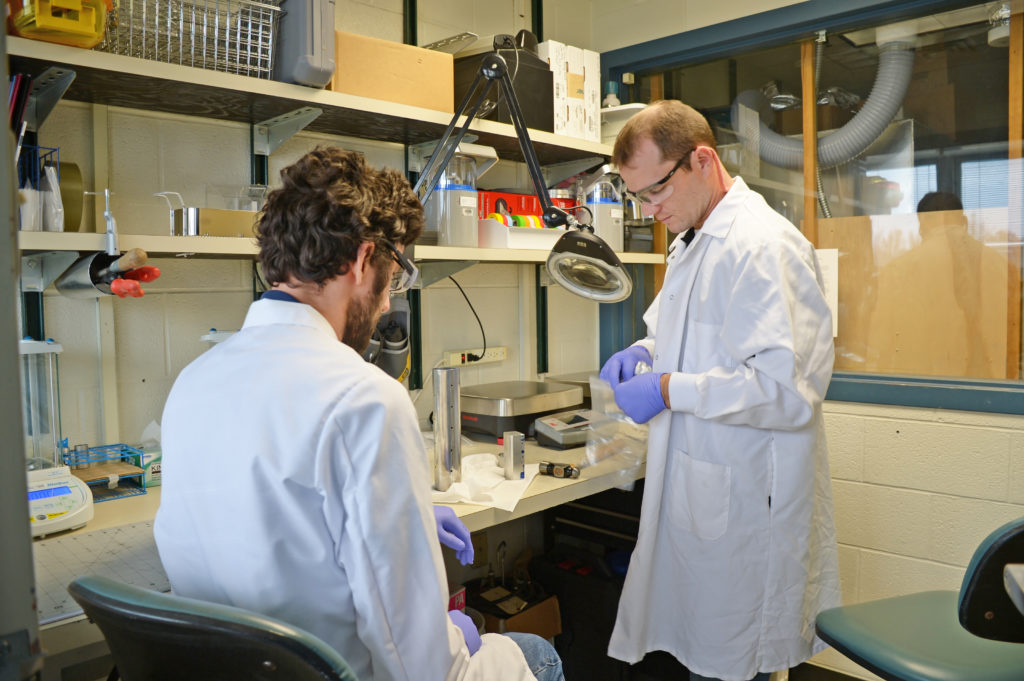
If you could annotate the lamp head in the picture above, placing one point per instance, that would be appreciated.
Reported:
(584, 264)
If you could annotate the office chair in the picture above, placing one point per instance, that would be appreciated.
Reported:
(161, 637)
(973, 635)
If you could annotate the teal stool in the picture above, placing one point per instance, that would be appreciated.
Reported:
(973, 635)
(161, 637)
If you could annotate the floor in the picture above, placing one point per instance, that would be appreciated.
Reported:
(809, 672)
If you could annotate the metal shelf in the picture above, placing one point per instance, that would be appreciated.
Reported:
(118, 80)
(37, 242)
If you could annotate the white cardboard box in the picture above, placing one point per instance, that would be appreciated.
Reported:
(554, 53)
(576, 83)
(493, 234)
(592, 95)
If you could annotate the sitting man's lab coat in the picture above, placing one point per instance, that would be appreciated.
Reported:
(295, 485)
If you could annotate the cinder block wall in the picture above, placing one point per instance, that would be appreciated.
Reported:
(916, 490)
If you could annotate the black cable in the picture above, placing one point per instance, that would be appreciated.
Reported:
(580, 206)
(470, 356)
(259, 286)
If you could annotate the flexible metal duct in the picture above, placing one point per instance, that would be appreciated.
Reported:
(895, 64)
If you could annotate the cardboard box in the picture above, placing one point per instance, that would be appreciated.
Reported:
(543, 618)
(592, 95)
(554, 53)
(404, 74)
(150, 465)
(456, 597)
(576, 79)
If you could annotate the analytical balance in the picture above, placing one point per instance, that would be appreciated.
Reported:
(57, 499)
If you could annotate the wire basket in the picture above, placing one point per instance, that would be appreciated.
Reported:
(235, 36)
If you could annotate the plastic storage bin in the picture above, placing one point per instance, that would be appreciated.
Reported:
(70, 22)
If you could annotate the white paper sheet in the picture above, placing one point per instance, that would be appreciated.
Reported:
(483, 483)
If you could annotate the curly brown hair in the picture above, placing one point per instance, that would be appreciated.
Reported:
(330, 202)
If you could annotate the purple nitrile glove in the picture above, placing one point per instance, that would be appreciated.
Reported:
(469, 630)
(622, 365)
(453, 533)
(640, 397)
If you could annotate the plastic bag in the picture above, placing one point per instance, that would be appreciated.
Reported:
(613, 436)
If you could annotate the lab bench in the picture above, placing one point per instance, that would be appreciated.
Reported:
(75, 648)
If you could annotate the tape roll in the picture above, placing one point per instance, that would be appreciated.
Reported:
(503, 219)
(71, 195)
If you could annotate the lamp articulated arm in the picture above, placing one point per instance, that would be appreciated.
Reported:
(580, 261)
(492, 68)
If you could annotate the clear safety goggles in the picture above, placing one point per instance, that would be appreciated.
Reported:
(658, 191)
(407, 274)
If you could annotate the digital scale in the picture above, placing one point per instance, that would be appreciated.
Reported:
(57, 501)
(565, 429)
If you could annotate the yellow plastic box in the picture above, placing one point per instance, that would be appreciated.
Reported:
(70, 22)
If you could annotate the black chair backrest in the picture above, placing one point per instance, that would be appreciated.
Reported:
(161, 637)
(985, 608)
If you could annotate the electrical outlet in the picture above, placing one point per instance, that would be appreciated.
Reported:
(458, 358)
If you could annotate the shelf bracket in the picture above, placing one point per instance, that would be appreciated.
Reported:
(436, 270)
(40, 270)
(267, 136)
(272, 133)
(47, 89)
(420, 153)
(556, 172)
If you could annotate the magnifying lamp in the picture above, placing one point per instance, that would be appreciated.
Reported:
(580, 261)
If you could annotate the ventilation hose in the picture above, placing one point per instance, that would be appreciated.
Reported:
(826, 211)
(895, 64)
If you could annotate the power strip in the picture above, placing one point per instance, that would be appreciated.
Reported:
(458, 358)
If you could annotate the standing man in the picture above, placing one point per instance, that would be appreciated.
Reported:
(295, 481)
(736, 553)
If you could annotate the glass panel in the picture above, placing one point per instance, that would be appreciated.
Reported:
(921, 196)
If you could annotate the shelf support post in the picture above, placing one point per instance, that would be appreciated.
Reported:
(268, 135)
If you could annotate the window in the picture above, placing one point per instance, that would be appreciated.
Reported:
(925, 208)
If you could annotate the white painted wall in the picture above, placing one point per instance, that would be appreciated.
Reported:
(571, 22)
(620, 23)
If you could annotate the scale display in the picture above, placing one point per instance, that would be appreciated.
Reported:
(57, 501)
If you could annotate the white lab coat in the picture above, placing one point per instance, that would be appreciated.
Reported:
(295, 484)
(736, 553)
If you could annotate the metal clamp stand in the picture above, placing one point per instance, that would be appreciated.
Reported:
(492, 68)
(580, 261)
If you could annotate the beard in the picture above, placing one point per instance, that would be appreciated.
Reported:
(362, 316)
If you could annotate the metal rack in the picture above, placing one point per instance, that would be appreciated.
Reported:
(111, 471)
(234, 36)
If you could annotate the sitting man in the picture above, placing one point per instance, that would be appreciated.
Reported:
(294, 479)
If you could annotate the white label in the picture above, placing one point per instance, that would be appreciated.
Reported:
(467, 201)
(616, 212)
(828, 261)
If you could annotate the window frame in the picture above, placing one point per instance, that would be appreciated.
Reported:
(788, 24)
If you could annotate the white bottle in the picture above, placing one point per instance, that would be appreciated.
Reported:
(611, 97)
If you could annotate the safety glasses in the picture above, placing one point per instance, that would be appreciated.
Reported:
(649, 194)
(407, 274)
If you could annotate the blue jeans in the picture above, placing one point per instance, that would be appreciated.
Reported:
(540, 656)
